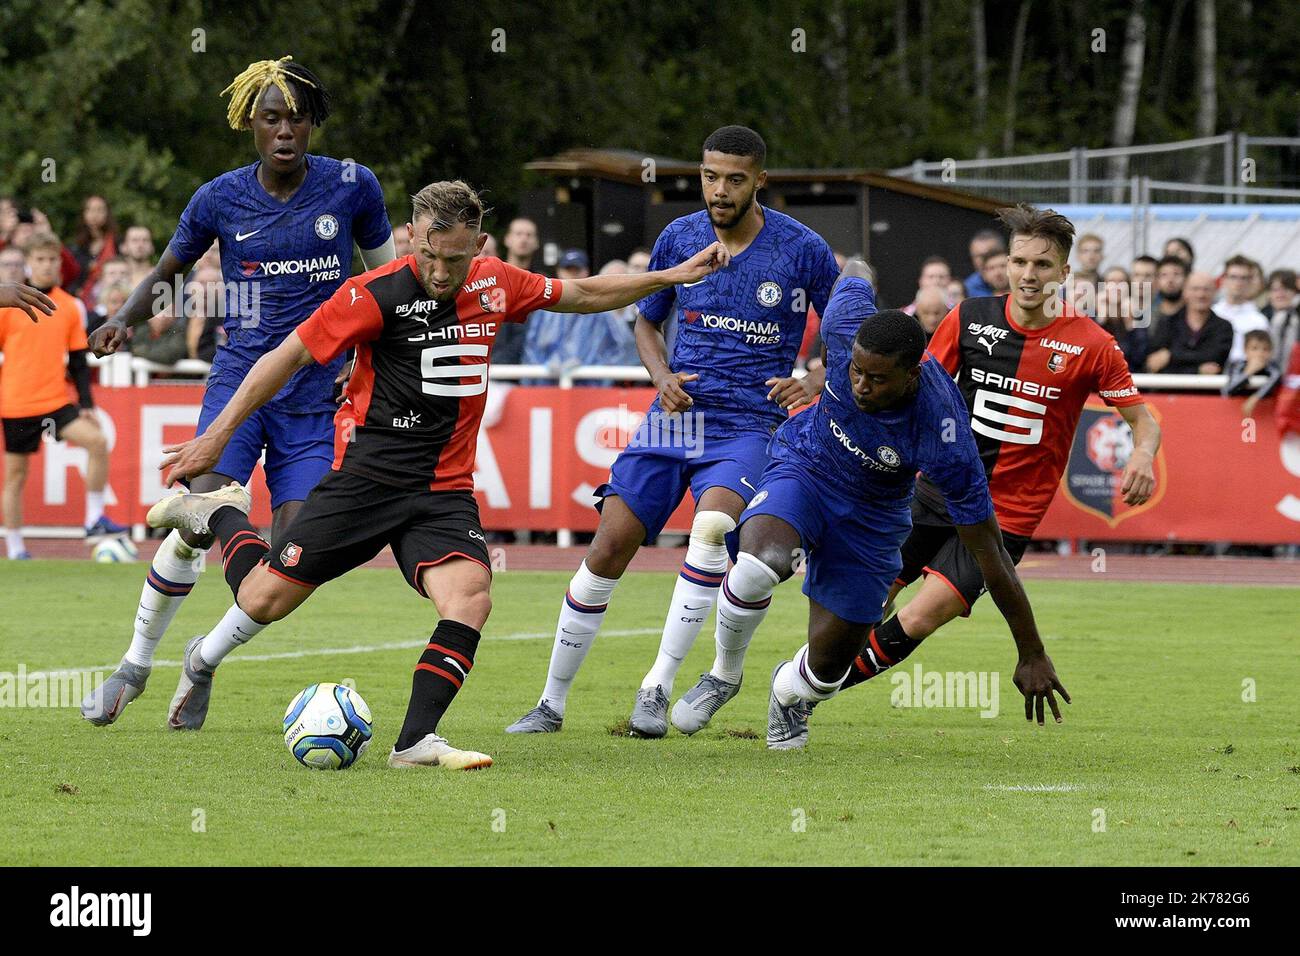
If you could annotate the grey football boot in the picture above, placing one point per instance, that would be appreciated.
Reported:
(540, 720)
(190, 511)
(189, 706)
(698, 705)
(649, 714)
(787, 726)
(105, 703)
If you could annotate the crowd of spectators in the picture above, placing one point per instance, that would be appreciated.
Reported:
(103, 262)
(1166, 315)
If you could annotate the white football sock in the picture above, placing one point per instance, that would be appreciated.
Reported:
(94, 507)
(581, 613)
(746, 596)
(234, 629)
(171, 577)
(796, 681)
(14, 541)
(694, 595)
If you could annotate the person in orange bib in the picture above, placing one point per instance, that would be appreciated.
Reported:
(34, 392)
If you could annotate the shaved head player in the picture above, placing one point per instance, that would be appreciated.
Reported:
(1025, 363)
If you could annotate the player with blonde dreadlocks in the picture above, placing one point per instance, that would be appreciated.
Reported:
(286, 226)
(301, 89)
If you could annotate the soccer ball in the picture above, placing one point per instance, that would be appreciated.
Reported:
(327, 727)
(118, 550)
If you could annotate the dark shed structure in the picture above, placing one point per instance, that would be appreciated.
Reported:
(609, 202)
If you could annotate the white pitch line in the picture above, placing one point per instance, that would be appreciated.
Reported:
(1035, 788)
(355, 649)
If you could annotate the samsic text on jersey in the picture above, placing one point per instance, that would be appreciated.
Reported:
(1025, 390)
(412, 407)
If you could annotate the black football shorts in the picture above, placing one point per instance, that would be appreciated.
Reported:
(933, 547)
(23, 435)
(347, 519)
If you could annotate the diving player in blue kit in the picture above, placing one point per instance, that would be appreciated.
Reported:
(839, 489)
(728, 387)
(286, 225)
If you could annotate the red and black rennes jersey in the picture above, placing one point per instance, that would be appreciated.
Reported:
(412, 407)
(1025, 390)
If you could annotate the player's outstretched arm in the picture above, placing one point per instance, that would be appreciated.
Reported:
(1035, 676)
(140, 306)
(1139, 474)
(603, 293)
(17, 295)
(200, 455)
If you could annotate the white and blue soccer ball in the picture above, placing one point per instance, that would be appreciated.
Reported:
(117, 550)
(328, 727)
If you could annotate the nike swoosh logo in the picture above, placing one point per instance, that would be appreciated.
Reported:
(241, 236)
(700, 608)
(832, 391)
(692, 285)
(745, 482)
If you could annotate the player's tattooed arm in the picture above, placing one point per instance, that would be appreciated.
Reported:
(653, 349)
(17, 295)
(272, 371)
(141, 306)
(1035, 676)
(604, 293)
(1139, 481)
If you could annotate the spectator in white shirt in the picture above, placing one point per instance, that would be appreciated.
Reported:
(1236, 305)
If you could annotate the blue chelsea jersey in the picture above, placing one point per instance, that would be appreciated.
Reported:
(874, 457)
(742, 325)
(280, 260)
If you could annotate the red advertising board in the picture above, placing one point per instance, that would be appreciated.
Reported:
(544, 450)
(1221, 477)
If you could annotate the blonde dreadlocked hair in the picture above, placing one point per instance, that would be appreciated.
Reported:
(302, 89)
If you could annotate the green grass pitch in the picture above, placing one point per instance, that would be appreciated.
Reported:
(1160, 760)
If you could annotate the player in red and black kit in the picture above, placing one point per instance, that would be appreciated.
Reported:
(405, 437)
(1026, 363)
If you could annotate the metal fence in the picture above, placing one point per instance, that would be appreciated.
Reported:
(1229, 168)
(123, 370)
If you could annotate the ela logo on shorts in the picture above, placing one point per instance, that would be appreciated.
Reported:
(327, 227)
(769, 294)
(290, 555)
